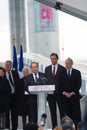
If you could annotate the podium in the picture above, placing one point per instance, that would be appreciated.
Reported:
(41, 91)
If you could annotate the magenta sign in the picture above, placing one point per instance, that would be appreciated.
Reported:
(44, 17)
(46, 13)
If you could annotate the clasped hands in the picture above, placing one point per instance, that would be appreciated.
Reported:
(69, 94)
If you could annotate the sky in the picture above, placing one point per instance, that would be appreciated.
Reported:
(72, 35)
(4, 31)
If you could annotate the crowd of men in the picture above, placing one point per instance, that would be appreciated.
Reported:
(67, 81)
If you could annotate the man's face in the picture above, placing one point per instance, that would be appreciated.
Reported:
(68, 64)
(8, 66)
(53, 60)
(34, 68)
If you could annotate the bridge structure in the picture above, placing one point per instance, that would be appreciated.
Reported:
(73, 7)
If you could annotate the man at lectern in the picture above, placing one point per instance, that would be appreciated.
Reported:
(35, 78)
(52, 73)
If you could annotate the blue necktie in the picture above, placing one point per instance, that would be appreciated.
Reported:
(68, 74)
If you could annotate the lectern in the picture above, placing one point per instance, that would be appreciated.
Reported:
(41, 91)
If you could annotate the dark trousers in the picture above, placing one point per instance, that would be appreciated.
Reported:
(33, 108)
(25, 110)
(14, 115)
(54, 100)
(72, 108)
(24, 121)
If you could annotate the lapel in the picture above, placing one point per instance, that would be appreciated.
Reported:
(13, 76)
(32, 79)
(58, 70)
(12, 72)
(40, 75)
(50, 70)
(72, 73)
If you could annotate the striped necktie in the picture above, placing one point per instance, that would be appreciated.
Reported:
(10, 79)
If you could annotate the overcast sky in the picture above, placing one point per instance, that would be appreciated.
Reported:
(4, 31)
(73, 37)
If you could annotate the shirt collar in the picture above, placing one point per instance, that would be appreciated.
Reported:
(70, 70)
(36, 74)
(56, 65)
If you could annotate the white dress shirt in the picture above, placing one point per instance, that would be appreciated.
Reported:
(70, 71)
(56, 68)
(37, 75)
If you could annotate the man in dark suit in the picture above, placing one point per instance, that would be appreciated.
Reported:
(34, 79)
(52, 74)
(70, 83)
(13, 79)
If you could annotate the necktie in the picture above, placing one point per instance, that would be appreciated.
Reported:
(10, 79)
(68, 74)
(35, 77)
(53, 73)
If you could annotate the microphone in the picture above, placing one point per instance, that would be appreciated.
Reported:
(38, 81)
(44, 80)
(43, 119)
(41, 81)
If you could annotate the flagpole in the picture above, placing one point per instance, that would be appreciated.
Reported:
(21, 40)
(13, 39)
(14, 53)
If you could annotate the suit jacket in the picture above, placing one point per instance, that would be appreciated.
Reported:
(4, 93)
(22, 105)
(29, 82)
(70, 85)
(16, 85)
(54, 80)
